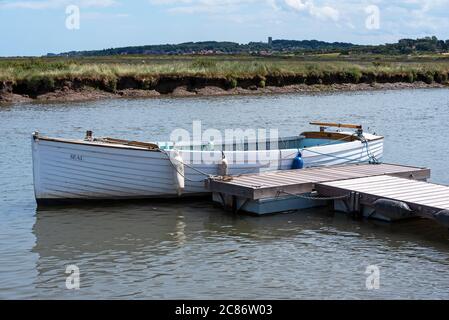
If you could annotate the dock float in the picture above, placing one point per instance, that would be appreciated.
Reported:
(383, 191)
(407, 198)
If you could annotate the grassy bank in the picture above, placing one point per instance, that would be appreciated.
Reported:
(165, 73)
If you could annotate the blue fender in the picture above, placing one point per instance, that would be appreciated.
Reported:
(298, 162)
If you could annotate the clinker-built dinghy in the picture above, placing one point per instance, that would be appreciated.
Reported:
(107, 168)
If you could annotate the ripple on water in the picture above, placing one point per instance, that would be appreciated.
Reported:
(190, 249)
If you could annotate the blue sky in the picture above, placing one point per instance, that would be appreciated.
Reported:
(38, 27)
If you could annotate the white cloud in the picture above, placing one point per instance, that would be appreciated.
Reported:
(296, 4)
(413, 18)
(207, 6)
(51, 4)
(321, 12)
(398, 17)
(324, 12)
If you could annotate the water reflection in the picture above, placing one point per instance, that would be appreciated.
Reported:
(160, 247)
(191, 249)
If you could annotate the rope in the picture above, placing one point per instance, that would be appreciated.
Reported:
(372, 157)
(334, 156)
(365, 142)
(308, 150)
(188, 166)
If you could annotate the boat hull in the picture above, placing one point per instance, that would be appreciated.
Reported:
(73, 171)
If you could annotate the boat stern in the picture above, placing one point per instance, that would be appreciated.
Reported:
(36, 165)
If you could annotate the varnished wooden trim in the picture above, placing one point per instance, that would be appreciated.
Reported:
(330, 135)
(337, 125)
(93, 144)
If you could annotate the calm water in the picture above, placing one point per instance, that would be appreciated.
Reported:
(194, 250)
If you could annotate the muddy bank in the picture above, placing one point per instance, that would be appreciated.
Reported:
(71, 91)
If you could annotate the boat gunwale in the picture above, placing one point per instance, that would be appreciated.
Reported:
(127, 147)
(95, 144)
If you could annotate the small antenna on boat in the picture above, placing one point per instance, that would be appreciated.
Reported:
(89, 135)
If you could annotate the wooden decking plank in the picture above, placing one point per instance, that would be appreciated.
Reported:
(271, 181)
(371, 182)
(407, 182)
(320, 176)
(398, 196)
(376, 169)
(429, 197)
(279, 182)
(325, 173)
(395, 189)
(264, 193)
(335, 170)
(365, 181)
(252, 179)
(424, 192)
(432, 195)
(343, 175)
(337, 174)
(426, 201)
(418, 172)
(367, 178)
(416, 196)
(368, 170)
(248, 184)
(435, 203)
(351, 182)
(384, 194)
(406, 198)
(358, 176)
(390, 187)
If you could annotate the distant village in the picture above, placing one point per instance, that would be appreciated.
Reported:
(272, 47)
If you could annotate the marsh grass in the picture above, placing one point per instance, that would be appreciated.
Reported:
(46, 72)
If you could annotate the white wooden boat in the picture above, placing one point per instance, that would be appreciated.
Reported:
(106, 168)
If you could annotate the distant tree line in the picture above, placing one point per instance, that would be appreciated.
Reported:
(404, 46)
(409, 46)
